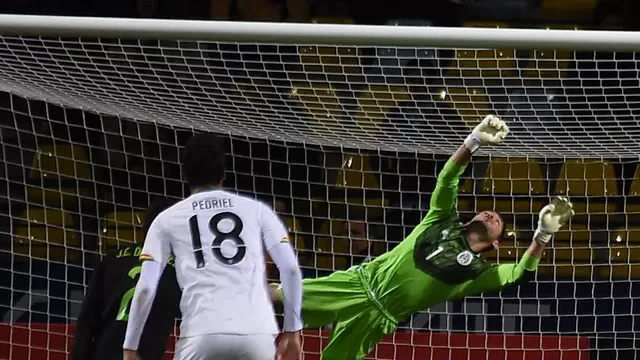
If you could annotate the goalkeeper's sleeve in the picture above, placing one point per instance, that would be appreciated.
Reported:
(499, 277)
(88, 322)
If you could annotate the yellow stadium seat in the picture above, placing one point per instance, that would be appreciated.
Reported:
(572, 254)
(548, 64)
(330, 59)
(294, 227)
(320, 101)
(121, 228)
(375, 102)
(568, 7)
(520, 179)
(57, 166)
(484, 64)
(486, 24)
(624, 254)
(632, 204)
(48, 234)
(333, 20)
(334, 241)
(575, 233)
(332, 249)
(471, 104)
(356, 172)
(593, 179)
(298, 240)
(466, 198)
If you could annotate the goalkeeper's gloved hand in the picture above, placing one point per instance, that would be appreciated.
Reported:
(490, 131)
(551, 218)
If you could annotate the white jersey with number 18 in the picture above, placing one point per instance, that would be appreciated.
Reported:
(219, 239)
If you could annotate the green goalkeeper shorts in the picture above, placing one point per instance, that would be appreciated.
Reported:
(344, 300)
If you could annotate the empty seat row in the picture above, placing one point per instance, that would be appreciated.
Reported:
(59, 175)
(54, 234)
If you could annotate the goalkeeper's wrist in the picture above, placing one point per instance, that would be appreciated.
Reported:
(542, 236)
(472, 142)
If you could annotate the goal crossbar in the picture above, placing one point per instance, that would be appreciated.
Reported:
(322, 34)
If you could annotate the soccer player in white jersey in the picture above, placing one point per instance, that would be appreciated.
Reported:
(218, 240)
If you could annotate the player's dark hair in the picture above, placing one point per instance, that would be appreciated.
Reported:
(203, 161)
(153, 211)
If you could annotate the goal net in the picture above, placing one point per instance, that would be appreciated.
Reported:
(345, 141)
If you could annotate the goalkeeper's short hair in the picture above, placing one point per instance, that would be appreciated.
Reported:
(154, 210)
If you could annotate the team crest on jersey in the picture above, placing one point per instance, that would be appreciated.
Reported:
(465, 258)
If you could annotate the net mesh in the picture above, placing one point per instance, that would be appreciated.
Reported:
(345, 143)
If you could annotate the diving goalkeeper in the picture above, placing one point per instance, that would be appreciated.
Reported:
(439, 261)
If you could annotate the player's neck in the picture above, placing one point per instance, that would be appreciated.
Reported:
(473, 242)
(204, 188)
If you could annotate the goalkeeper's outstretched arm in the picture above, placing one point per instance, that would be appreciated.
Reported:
(551, 218)
(490, 131)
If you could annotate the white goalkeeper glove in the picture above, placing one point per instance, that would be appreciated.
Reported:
(551, 218)
(490, 131)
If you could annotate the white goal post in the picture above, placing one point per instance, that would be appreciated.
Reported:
(320, 34)
(343, 128)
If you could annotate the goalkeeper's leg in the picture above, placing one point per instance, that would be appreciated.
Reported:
(327, 299)
(356, 337)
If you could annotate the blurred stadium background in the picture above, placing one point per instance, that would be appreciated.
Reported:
(75, 182)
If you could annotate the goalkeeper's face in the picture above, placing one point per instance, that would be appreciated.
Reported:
(490, 228)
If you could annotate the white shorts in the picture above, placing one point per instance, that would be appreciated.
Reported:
(226, 347)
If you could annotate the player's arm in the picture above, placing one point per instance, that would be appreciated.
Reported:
(490, 131)
(89, 319)
(551, 218)
(155, 255)
(276, 241)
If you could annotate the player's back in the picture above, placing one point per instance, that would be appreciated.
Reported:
(216, 237)
(107, 308)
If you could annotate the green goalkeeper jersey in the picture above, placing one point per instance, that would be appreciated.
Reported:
(434, 263)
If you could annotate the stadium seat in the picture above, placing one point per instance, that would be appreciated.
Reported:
(632, 203)
(332, 250)
(305, 254)
(330, 59)
(294, 227)
(595, 180)
(121, 228)
(486, 24)
(356, 173)
(484, 64)
(572, 254)
(333, 20)
(375, 102)
(321, 102)
(518, 184)
(470, 103)
(548, 64)
(47, 234)
(568, 7)
(54, 171)
(624, 254)
(466, 198)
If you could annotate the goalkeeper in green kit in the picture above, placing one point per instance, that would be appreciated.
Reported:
(439, 261)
